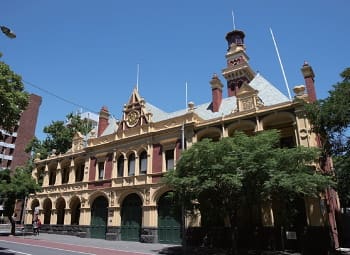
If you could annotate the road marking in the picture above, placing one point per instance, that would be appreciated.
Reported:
(41, 246)
(19, 252)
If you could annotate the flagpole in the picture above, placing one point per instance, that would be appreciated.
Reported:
(280, 61)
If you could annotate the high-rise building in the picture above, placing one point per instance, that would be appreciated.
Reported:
(110, 187)
(12, 145)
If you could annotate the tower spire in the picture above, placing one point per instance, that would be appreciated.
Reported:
(238, 70)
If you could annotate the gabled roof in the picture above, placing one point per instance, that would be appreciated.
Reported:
(268, 94)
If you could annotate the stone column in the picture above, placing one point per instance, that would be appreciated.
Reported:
(71, 172)
(58, 174)
(53, 220)
(46, 176)
(67, 216)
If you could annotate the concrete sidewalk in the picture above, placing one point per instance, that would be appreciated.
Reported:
(142, 248)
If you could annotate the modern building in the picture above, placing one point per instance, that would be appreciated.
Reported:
(12, 145)
(110, 188)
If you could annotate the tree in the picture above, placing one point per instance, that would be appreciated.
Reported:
(13, 98)
(244, 172)
(59, 136)
(14, 186)
(330, 118)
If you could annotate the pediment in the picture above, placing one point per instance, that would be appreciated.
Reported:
(246, 90)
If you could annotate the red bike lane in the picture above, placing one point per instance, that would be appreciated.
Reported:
(68, 247)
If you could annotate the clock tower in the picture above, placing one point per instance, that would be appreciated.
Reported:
(135, 113)
(238, 70)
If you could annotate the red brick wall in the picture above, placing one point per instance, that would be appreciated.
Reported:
(26, 131)
(92, 171)
(157, 159)
(109, 166)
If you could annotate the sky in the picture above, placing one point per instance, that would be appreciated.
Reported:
(85, 54)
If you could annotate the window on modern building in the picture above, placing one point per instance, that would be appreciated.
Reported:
(8, 165)
(79, 172)
(131, 164)
(101, 170)
(120, 166)
(11, 151)
(143, 162)
(65, 175)
(169, 159)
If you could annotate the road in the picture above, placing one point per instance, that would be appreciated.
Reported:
(10, 245)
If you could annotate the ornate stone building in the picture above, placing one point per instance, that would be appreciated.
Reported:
(109, 184)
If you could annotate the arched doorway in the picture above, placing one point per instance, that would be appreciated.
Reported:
(47, 207)
(169, 219)
(99, 213)
(60, 208)
(33, 206)
(75, 210)
(131, 216)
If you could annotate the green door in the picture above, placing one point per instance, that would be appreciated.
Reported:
(131, 216)
(169, 220)
(99, 213)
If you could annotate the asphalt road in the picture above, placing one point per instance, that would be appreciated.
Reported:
(47, 244)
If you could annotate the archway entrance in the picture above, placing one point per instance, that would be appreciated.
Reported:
(99, 212)
(75, 211)
(47, 206)
(60, 207)
(131, 216)
(169, 219)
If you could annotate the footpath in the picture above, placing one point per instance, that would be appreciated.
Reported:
(144, 248)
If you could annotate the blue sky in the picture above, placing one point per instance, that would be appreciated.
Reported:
(87, 52)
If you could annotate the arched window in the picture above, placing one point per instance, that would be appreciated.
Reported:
(131, 164)
(120, 166)
(143, 162)
(52, 177)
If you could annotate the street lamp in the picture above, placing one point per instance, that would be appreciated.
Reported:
(10, 34)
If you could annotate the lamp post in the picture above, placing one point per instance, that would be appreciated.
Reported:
(10, 34)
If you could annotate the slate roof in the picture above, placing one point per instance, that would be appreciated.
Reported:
(268, 94)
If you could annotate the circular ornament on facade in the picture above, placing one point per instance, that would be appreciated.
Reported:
(132, 118)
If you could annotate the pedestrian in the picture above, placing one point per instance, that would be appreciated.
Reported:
(13, 223)
(36, 226)
(39, 225)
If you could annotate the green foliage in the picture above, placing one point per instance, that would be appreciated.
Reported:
(331, 117)
(244, 171)
(331, 120)
(13, 98)
(59, 136)
(16, 185)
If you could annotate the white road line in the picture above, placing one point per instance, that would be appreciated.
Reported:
(41, 246)
(19, 252)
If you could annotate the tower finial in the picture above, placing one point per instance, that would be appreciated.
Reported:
(233, 21)
(137, 77)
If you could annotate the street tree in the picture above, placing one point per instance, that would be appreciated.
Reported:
(245, 172)
(59, 136)
(330, 118)
(16, 185)
(13, 98)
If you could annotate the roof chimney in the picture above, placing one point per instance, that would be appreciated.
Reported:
(309, 76)
(103, 120)
(216, 88)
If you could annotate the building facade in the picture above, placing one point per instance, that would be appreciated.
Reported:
(110, 187)
(12, 145)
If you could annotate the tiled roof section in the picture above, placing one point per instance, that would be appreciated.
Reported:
(268, 93)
